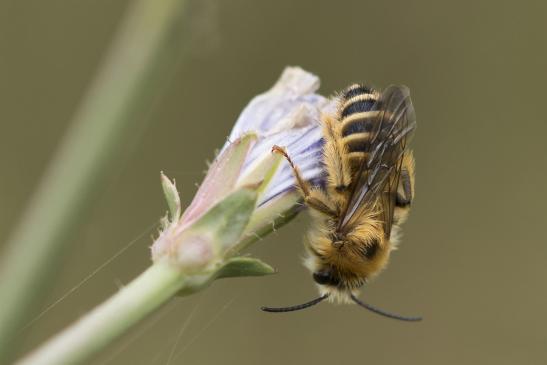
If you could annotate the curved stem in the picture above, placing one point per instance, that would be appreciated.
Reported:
(101, 326)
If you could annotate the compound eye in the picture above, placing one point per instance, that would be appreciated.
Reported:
(322, 277)
(370, 251)
(325, 277)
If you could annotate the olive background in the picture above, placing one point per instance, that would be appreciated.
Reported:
(472, 260)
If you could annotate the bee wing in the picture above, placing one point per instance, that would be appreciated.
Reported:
(378, 176)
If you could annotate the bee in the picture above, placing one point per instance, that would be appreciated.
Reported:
(367, 195)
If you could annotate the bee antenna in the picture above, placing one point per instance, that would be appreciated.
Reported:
(382, 312)
(295, 307)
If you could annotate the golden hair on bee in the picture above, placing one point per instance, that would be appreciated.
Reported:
(368, 191)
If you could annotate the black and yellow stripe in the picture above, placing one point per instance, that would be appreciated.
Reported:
(357, 114)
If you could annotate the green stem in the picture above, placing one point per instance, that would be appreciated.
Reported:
(139, 63)
(108, 321)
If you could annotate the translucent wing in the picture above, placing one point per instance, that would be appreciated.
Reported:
(378, 176)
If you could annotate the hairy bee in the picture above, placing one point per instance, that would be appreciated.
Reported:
(368, 191)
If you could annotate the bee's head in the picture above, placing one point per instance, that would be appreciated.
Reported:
(344, 267)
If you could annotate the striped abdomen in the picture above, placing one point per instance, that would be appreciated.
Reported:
(357, 115)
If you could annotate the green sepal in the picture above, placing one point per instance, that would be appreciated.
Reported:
(244, 266)
(261, 172)
(172, 197)
(269, 217)
(221, 178)
(231, 268)
(164, 221)
(225, 221)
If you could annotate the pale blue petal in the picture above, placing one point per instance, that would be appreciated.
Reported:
(287, 115)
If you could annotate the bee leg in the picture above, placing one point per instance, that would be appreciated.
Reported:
(302, 184)
(318, 201)
(404, 199)
(314, 198)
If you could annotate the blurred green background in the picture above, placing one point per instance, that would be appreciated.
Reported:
(472, 260)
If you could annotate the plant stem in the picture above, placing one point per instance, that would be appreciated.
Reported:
(136, 68)
(109, 320)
